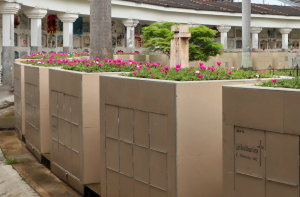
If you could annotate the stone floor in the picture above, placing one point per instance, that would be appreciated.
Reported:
(35, 174)
(11, 183)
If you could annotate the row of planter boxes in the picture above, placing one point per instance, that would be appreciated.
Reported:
(144, 136)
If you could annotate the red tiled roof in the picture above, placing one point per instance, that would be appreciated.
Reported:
(220, 6)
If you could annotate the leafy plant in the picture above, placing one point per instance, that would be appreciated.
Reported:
(158, 36)
(282, 83)
(10, 161)
(157, 71)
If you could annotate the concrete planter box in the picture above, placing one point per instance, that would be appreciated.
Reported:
(36, 96)
(161, 138)
(19, 99)
(75, 126)
(162, 58)
(260, 141)
(140, 58)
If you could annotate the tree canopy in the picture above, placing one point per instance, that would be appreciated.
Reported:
(158, 36)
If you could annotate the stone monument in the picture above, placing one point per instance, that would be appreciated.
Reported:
(180, 46)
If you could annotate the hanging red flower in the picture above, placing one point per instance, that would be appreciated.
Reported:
(52, 24)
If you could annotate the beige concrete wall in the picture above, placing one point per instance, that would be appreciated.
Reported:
(19, 99)
(38, 139)
(75, 126)
(265, 119)
(191, 111)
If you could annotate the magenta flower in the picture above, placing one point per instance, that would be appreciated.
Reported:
(274, 80)
(261, 71)
(106, 60)
(213, 69)
(219, 63)
(201, 64)
(166, 71)
(162, 71)
(134, 73)
(177, 69)
(152, 75)
(87, 64)
(148, 63)
(178, 65)
(154, 64)
(148, 68)
(139, 68)
(229, 72)
(200, 76)
(99, 64)
(93, 62)
(97, 59)
(167, 67)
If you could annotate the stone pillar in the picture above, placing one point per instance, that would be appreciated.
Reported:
(285, 38)
(180, 46)
(130, 25)
(224, 29)
(36, 15)
(255, 31)
(8, 10)
(68, 19)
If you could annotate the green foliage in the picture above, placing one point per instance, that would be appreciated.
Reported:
(202, 43)
(54, 55)
(10, 161)
(158, 36)
(194, 74)
(282, 83)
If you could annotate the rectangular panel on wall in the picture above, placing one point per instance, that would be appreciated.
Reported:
(136, 153)
(249, 151)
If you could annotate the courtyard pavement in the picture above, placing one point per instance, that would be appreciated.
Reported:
(11, 183)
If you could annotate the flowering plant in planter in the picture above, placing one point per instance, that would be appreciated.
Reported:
(158, 71)
(282, 83)
(52, 62)
(40, 55)
(98, 66)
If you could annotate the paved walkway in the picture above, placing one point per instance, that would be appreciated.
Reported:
(11, 183)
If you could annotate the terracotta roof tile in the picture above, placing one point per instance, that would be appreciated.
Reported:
(234, 7)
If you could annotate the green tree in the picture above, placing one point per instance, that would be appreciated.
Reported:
(158, 36)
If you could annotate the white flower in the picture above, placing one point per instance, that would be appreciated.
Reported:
(197, 71)
(257, 76)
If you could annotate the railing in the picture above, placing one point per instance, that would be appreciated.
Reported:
(293, 72)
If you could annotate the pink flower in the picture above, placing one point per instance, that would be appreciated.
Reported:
(110, 63)
(166, 71)
(274, 80)
(154, 64)
(261, 71)
(139, 68)
(177, 69)
(162, 71)
(197, 71)
(229, 72)
(148, 68)
(134, 73)
(213, 69)
(99, 64)
(98, 59)
(148, 63)
(201, 64)
(200, 76)
(152, 75)
(178, 65)
(167, 67)
(219, 63)
(106, 60)
(87, 64)
(232, 67)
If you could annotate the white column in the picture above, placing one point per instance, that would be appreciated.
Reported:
(36, 15)
(255, 31)
(224, 29)
(8, 10)
(68, 19)
(130, 25)
(285, 38)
